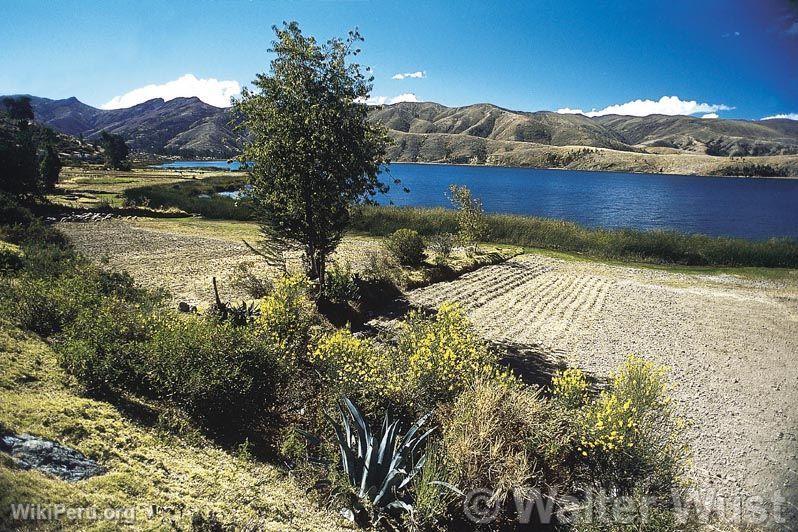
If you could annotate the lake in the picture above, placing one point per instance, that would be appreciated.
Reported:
(718, 206)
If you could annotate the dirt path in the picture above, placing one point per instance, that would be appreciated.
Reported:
(731, 345)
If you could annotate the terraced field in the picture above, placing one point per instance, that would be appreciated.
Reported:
(730, 342)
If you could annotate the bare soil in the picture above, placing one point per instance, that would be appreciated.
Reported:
(731, 344)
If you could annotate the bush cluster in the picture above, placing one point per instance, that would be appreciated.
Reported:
(406, 246)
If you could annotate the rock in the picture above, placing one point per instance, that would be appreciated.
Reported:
(30, 452)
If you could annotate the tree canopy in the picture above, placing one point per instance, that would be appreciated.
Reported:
(116, 151)
(19, 108)
(29, 162)
(315, 154)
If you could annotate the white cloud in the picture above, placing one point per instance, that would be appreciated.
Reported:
(212, 91)
(417, 74)
(793, 30)
(710, 115)
(789, 116)
(382, 100)
(667, 105)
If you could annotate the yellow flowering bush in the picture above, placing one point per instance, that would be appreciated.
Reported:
(631, 433)
(570, 387)
(354, 367)
(286, 316)
(443, 354)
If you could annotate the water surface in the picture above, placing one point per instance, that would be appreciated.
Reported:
(718, 206)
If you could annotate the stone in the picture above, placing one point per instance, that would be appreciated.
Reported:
(31, 452)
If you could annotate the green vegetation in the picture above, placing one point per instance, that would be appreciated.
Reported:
(621, 244)
(116, 151)
(205, 375)
(471, 222)
(314, 151)
(28, 158)
(194, 196)
(629, 245)
(379, 466)
(406, 246)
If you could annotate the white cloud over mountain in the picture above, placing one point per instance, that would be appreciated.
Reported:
(382, 100)
(790, 116)
(667, 105)
(210, 90)
(417, 74)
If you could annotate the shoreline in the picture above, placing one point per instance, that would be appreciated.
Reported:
(471, 165)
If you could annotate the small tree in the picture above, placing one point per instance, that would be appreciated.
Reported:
(19, 108)
(471, 220)
(50, 166)
(116, 151)
(314, 151)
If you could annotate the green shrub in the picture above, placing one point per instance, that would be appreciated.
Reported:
(442, 245)
(632, 437)
(442, 355)
(340, 286)
(569, 387)
(225, 376)
(286, 317)
(624, 244)
(10, 257)
(406, 246)
(356, 368)
(106, 348)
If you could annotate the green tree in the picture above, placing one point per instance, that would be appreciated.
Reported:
(19, 169)
(116, 151)
(19, 108)
(315, 153)
(50, 166)
(471, 220)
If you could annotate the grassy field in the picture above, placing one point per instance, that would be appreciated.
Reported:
(183, 476)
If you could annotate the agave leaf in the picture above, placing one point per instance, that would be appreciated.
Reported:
(369, 464)
(387, 448)
(413, 472)
(347, 458)
(388, 488)
(363, 431)
(399, 505)
(448, 486)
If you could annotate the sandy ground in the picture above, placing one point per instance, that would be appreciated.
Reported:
(731, 345)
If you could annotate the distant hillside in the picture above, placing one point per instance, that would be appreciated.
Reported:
(478, 134)
(419, 122)
(183, 126)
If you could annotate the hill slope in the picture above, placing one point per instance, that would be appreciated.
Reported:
(431, 132)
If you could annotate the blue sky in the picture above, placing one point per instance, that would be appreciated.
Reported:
(738, 58)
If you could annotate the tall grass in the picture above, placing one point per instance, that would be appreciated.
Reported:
(198, 197)
(623, 244)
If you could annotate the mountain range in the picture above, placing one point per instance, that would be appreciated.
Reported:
(431, 132)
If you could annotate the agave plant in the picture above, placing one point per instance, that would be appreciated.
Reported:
(380, 466)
